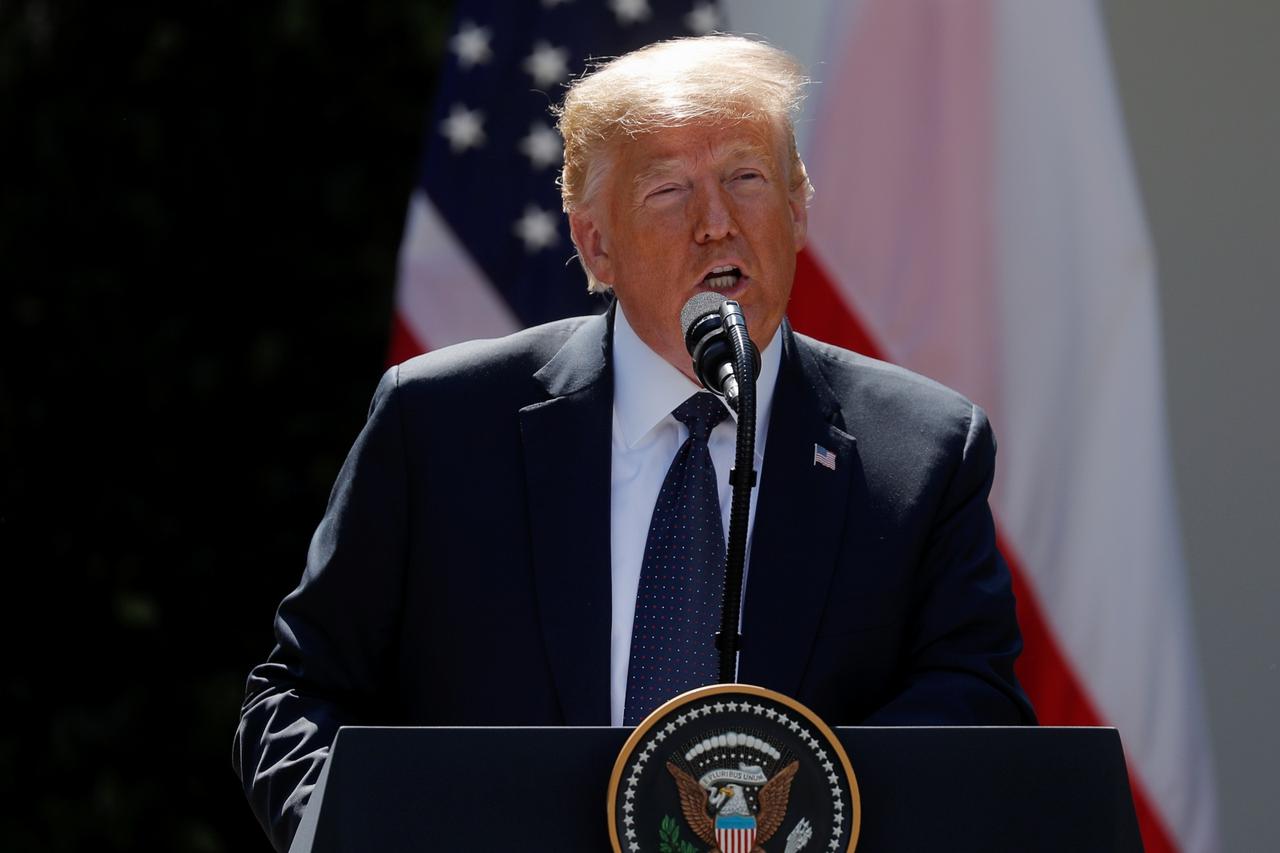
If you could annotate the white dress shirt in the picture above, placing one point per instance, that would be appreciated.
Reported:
(645, 439)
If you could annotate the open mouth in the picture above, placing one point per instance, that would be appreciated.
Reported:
(722, 278)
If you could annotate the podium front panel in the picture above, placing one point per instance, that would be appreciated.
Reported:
(535, 789)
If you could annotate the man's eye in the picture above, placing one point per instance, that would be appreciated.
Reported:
(663, 191)
(747, 177)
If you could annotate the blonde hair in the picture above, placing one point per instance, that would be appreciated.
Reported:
(706, 80)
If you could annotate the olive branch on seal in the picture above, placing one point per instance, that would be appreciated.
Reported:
(669, 840)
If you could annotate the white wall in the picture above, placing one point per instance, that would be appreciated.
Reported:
(1200, 84)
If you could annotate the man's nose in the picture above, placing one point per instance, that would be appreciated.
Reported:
(714, 219)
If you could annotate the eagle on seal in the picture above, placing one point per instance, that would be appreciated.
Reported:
(730, 810)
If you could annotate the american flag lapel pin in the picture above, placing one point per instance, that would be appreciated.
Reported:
(824, 457)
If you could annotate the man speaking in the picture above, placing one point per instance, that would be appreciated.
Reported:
(531, 530)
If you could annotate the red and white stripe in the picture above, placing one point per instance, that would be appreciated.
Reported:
(736, 840)
(442, 297)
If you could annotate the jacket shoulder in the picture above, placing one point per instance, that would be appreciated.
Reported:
(524, 351)
(860, 382)
(488, 377)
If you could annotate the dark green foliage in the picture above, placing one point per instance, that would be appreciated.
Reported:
(669, 840)
(200, 208)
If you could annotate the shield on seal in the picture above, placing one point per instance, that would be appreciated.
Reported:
(735, 833)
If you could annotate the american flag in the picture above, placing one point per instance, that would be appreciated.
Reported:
(824, 457)
(487, 249)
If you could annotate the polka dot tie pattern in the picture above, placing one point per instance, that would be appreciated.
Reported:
(682, 574)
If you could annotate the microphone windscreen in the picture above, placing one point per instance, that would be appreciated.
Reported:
(699, 306)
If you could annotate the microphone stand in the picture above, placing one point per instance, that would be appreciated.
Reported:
(742, 478)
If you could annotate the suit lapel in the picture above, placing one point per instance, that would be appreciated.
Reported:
(800, 517)
(567, 441)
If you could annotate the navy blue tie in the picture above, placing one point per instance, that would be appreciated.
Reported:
(678, 601)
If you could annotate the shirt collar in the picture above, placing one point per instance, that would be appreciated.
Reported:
(646, 388)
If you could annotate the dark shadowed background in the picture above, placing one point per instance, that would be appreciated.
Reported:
(199, 216)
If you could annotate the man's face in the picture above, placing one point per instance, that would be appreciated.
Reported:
(689, 209)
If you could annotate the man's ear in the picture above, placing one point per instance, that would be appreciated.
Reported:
(799, 217)
(593, 246)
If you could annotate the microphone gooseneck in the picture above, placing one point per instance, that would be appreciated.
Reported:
(726, 361)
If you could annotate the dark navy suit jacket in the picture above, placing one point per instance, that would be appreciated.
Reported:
(461, 574)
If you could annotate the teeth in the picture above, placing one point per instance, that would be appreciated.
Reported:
(723, 277)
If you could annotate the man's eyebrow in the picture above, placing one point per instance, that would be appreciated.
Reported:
(656, 170)
(747, 150)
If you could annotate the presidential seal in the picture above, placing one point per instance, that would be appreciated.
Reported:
(733, 769)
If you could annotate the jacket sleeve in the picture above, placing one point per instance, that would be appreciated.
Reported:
(963, 636)
(335, 634)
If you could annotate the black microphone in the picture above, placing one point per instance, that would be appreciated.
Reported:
(708, 320)
(715, 333)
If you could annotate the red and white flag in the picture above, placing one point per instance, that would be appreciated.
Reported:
(977, 220)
